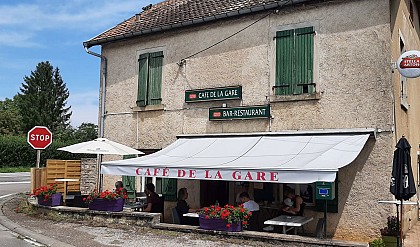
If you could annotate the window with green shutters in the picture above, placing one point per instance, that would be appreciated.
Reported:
(169, 189)
(150, 79)
(294, 61)
(129, 182)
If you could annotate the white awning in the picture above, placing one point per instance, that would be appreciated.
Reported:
(259, 158)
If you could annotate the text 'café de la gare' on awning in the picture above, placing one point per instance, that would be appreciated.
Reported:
(263, 157)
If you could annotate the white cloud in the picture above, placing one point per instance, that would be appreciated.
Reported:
(81, 16)
(17, 39)
(85, 107)
(41, 15)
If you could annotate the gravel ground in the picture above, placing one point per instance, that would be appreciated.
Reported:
(78, 234)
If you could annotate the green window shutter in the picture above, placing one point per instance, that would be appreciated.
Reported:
(129, 182)
(155, 78)
(332, 205)
(169, 188)
(304, 49)
(284, 62)
(143, 78)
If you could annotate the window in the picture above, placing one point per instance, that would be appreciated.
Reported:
(404, 102)
(129, 182)
(294, 61)
(411, 12)
(150, 79)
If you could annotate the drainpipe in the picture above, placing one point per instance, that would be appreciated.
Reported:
(101, 121)
(103, 93)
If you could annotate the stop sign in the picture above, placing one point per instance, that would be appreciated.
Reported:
(39, 137)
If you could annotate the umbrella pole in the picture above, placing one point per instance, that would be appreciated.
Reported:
(401, 225)
(398, 226)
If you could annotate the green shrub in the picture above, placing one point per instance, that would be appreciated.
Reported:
(377, 243)
(15, 152)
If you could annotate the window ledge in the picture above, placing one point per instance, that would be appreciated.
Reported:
(404, 105)
(148, 108)
(300, 97)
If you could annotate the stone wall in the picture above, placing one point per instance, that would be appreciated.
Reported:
(89, 175)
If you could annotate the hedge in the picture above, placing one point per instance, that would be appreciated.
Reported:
(15, 151)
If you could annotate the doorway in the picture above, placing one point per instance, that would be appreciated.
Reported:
(212, 191)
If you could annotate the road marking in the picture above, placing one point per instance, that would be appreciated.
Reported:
(32, 241)
(16, 182)
(6, 195)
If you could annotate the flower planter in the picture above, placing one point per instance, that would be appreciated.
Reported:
(218, 224)
(55, 200)
(107, 205)
(389, 241)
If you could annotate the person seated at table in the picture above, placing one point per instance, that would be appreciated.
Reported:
(253, 207)
(119, 186)
(182, 208)
(295, 207)
(244, 188)
(154, 202)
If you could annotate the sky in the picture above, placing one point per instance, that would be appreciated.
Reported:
(33, 31)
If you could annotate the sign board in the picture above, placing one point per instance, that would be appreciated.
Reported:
(325, 191)
(210, 94)
(408, 64)
(243, 112)
(39, 137)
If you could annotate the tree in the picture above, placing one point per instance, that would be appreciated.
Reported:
(86, 132)
(10, 119)
(43, 99)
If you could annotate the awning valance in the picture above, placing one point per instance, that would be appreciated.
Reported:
(259, 158)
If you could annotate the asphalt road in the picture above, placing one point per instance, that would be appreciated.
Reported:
(13, 183)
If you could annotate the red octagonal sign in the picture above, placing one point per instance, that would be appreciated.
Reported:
(39, 137)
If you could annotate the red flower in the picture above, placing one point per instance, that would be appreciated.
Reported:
(107, 195)
(229, 213)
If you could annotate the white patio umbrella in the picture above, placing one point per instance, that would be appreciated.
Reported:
(100, 146)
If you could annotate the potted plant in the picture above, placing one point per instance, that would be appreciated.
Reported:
(47, 195)
(106, 200)
(390, 232)
(227, 218)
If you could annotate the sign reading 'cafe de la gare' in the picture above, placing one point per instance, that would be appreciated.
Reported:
(243, 112)
(210, 94)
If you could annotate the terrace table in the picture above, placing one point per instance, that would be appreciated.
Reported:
(194, 215)
(137, 206)
(289, 221)
(65, 180)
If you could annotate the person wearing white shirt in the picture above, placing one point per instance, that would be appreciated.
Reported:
(253, 207)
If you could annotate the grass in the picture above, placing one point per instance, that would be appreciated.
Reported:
(14, 169)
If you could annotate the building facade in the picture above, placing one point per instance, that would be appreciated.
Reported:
(316, 66)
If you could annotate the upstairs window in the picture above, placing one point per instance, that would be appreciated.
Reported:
(404, 101)
(294, 61)
(150, 79)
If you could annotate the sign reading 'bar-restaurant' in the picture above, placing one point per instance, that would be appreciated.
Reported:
(209, 94)
(244, 112)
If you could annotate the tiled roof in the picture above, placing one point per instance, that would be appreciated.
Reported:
(177, 13)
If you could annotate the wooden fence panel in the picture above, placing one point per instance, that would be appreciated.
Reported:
(38, 178)
(64, 169)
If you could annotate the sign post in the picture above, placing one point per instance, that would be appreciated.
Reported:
(325, 191)
(39, 137)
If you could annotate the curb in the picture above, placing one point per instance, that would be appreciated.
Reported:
(27, 234)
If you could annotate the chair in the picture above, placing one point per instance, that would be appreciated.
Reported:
(254, 221)
(175, 216)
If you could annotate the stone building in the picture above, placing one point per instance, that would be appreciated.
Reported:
(290, 68)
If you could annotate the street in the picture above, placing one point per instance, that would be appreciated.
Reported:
(12, 183)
